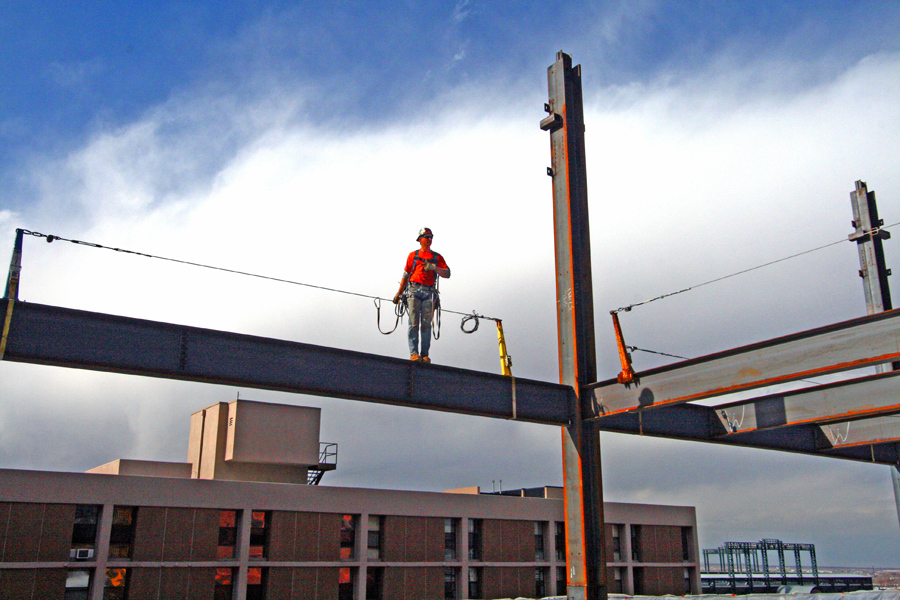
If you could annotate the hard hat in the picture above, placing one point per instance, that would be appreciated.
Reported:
(425, 231)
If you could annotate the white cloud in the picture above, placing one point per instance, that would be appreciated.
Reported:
(461, 11)
(687, 183)
(6, 218)
(622, 19)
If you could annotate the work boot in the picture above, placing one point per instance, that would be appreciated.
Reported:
(425, 359)
(413, 356)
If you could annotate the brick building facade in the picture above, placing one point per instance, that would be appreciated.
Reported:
(97, 536)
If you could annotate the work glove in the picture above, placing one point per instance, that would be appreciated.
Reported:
(396, 299)
(430, 266)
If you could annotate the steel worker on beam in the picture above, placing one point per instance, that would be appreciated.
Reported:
(420, 278)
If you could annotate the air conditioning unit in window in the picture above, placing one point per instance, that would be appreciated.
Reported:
(81, 553)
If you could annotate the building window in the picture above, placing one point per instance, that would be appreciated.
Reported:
(84, 532)
(374, 579)
(638, 581)
(348, 537)
(474, 582)
(450, 584)
(373, 542)
(540, 582)
(560, 541)
(224, 589)
(259, 534)
(78, 584)
(636, 543)
(450, 543)
(345, 583)
(475, 528)
(256, 583)
(686, 544)
(561, 583)
(539, 553)
(116, 587)
(687, 581)
(228, 531)
(616, 543)
(616, 587)
(121, 536)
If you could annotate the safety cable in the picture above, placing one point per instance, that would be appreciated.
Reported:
(466, 319)
(377, 299)
(636, 349)
(693, 287)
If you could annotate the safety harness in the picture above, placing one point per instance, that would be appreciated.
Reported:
(402, 307)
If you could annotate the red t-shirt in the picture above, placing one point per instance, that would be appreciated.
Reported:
(420, 275)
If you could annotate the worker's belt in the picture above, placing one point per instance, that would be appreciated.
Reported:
(420, 286)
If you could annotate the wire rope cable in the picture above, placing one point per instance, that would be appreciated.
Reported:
(377, 299)
(742, 272)
(470, 317)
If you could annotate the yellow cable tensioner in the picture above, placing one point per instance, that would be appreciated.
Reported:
(12, 289)
(505, 358)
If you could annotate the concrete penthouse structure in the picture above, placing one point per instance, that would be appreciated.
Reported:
(241, 520)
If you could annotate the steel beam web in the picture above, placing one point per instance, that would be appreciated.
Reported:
(585, 546)
(873, 270)
(866, 341)
(50, 335)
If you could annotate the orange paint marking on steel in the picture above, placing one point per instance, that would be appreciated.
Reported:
(572, 579)
(626, 377)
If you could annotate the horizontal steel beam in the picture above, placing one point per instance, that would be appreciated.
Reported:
(881, 454)
(861, 433)
(859, 398)
(677, 421)
(870, 340)
(848, 419)
(65, 337)
(689, 422)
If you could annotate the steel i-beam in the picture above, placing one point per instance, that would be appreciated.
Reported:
(12, 290)
(64, 337)
(585, 548)
(866, 341)
(868, 236)
(850, 400)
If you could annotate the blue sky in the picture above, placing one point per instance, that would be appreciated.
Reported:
(269, 136)
(77, 67)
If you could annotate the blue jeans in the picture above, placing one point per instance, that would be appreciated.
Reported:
(420, 303)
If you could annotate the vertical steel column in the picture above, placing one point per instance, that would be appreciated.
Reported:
(732, 569)
(782, 567)
(799, 564)
(748, 567)
(15, 268)
(895, 477)
(585, 547)
(12, 290)
(868, 237)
